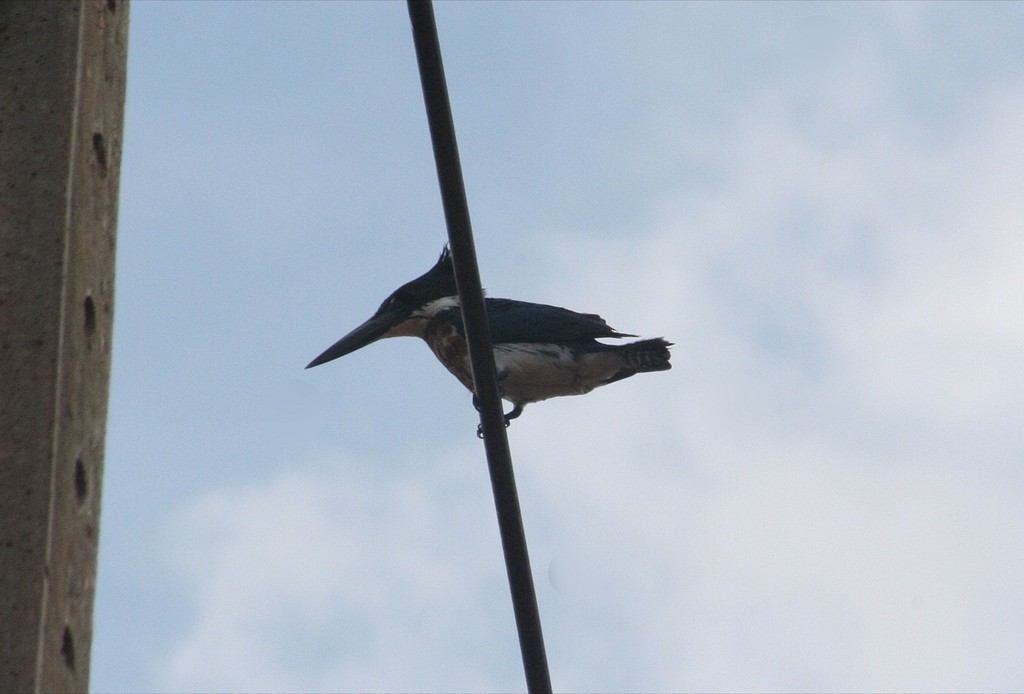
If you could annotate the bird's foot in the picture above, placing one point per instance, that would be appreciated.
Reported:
(516, 411)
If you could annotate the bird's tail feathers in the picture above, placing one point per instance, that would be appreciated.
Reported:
(647, 355)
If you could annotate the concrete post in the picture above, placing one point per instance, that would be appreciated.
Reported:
(62, 79)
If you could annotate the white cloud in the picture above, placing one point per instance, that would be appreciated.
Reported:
(844, 419)
(817, 569)
(337, 580)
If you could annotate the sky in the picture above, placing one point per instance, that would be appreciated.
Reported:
(821, 205)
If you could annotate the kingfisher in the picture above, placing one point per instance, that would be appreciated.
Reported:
(540, 351)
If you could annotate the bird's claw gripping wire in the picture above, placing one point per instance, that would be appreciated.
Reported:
(480, 429)
(516, 411)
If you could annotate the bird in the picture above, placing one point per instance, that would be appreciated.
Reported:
(540, 351)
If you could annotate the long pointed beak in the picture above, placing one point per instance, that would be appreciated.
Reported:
(372, 330)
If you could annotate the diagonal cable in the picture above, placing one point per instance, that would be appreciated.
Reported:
(474, 316)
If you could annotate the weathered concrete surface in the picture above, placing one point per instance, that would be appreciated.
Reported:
(62, 78)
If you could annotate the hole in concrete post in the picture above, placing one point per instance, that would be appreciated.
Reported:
(112, 5)
(81, 481)
(90, 316)
(67, 648)
(100, 150)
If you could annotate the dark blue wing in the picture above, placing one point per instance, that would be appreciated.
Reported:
(521, 321)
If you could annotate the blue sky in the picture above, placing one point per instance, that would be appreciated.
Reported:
(820, 204)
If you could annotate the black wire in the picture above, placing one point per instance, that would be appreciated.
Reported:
(478, 335)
